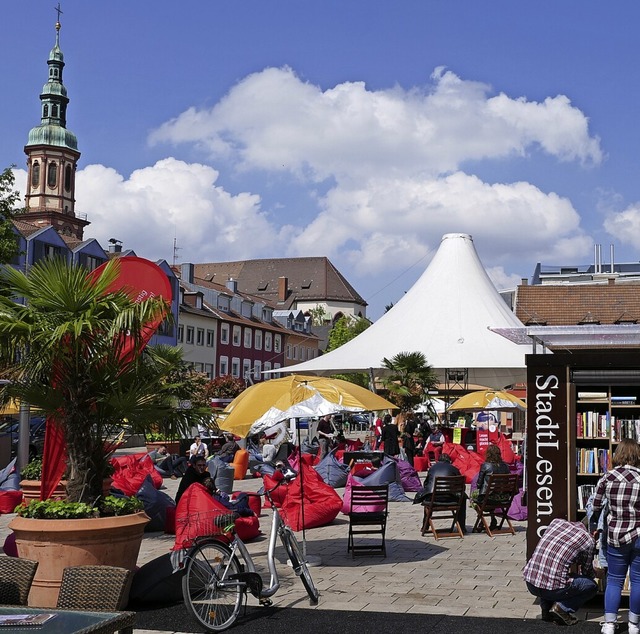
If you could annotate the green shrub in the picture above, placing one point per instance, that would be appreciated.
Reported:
(64, 510)
(33, 470)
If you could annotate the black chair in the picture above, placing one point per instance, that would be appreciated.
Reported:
(368, 519)
(495, 503)
(446, 502)
(16, 577)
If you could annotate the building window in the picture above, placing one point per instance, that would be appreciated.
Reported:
(224, 333)
(35, 174)
(257, 370)
(208, 369)
(211, 338)
(180, 334)
(198, 367)
(257, 340)
(267, 365)
(224, 366)
(295, 351)
(200, 338)
(247, 337)
(190, 335)
(237, 332)
(267, 341)
(246, 369)
(235, 367)
(52, 174)
(67, 178)
(288, 351)
(277, 344)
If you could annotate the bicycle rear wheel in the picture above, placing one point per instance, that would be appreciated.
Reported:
(209, 595)
(298, 563)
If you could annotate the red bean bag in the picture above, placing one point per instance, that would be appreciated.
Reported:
(9, 500)
(321, 503)
(130, 471)
(255, 502)
(195, 516)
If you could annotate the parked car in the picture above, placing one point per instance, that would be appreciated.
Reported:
(10, 426)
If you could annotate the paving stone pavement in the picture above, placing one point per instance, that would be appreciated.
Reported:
(477, 576)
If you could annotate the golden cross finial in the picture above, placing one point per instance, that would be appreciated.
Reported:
(59, 12)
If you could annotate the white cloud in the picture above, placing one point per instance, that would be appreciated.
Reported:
(272, 120)
(173, 198)
(625, 225)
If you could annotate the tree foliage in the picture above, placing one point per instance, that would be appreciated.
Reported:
(345, 329)
(75, 350)
(226, 386)
(319, 316)
(9, 247)
(410, 377)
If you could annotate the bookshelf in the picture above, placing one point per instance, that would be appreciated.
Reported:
(580, 404)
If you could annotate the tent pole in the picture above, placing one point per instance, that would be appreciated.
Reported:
(304, 533)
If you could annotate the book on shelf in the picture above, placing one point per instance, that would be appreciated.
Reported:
(585, 491)
(623, 400)
(593, 425)
(592, 396)
(592, 460)
(624, 428)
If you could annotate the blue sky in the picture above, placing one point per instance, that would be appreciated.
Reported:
(359, 130)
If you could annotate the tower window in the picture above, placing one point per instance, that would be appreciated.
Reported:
(54, 110)
(45, 110)
(52, 174)
(35, 174)
(67, 178)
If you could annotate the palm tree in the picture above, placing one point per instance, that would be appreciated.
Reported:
(73, 349)
(410, 377)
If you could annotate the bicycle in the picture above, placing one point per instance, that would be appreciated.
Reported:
(216, 580)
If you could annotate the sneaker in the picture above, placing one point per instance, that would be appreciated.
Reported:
(608, 628)
(562, 617)
(634, 628)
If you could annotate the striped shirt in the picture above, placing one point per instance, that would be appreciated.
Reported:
(562, 544)
(621, 486)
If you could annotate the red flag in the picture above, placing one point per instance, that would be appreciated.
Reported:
(142, 280)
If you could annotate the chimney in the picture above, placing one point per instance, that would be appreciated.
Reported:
(283, 288)
(524, 282)
(611, 281)
(232, 285)
(115, 246)
(187, 272)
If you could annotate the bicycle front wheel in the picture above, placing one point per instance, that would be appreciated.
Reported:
(298, 563)
(209, 595)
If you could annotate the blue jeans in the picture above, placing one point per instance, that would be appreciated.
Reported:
(570, 598)
(620, 560)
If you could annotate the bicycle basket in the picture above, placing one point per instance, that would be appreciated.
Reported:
(218, 522)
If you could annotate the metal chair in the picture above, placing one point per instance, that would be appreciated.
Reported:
(369, 518)
(446, 501)
(96, 588)
(16, 576)
(497, 498)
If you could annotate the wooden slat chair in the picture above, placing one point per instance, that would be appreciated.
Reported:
(96, 589)
(16, 577)
(446, 501)
(500, 491)
(368, 519)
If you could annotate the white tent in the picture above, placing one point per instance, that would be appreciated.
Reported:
(446, 315)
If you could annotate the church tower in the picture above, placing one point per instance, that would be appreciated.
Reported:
(52, 155)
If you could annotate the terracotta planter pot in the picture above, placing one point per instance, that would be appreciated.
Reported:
(31, 490)
(56, 544)
(173, 446)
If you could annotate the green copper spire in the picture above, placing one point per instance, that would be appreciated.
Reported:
(52, 129)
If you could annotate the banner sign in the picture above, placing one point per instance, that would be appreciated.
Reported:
(547, 442)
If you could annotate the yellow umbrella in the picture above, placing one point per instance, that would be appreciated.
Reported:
(496, 400)
(11, 408)
(296, 396)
